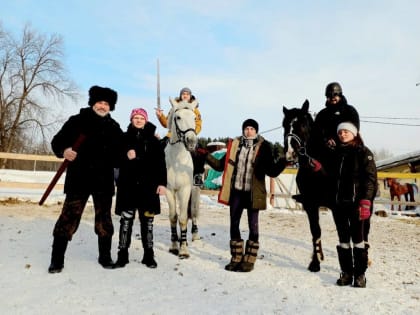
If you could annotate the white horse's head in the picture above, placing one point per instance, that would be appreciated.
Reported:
(181, 122)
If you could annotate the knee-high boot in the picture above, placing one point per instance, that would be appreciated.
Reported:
(345, 258)
(126, 227)
(146, 227)
(248, 261)
(360, 266)
(104, 245)
(237, 252)
(57, 255)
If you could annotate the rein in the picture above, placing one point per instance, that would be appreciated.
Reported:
(301, 148)
(301, 151)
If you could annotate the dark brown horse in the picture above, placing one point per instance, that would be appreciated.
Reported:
(397, 190)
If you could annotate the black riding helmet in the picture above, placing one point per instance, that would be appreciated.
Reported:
(333, 88)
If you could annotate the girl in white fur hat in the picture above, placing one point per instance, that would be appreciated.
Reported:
(355, 177)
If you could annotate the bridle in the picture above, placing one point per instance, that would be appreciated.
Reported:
(301, 149)
(180, 133)
(301, 145)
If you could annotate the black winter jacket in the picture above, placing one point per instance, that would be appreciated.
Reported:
(355, 175)
(93, 169)
(139, 178)
(325, 127)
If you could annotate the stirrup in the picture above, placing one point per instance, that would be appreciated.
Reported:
(198, 180)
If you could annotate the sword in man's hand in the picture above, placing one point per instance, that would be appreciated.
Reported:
(158, 85)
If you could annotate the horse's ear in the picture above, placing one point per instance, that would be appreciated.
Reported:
(305, 106)
(173, 102)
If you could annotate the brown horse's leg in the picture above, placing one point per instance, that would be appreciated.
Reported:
(399, 200)
(392, 199)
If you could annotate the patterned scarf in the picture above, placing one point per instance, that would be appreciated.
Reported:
(245, 168)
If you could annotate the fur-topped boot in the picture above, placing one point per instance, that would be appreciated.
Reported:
(360, 266)
(237, 252)
(345, 259)
(248, 261)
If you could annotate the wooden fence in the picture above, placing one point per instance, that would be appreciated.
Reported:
(286, 192)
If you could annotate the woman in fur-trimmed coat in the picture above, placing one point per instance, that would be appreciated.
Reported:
(248, 160)
(142, 178)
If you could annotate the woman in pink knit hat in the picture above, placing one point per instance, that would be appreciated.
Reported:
(141, 179)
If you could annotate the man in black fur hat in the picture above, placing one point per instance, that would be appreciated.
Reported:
(89, 173)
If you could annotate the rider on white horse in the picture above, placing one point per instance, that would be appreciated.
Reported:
(198, 163)
(181, 121)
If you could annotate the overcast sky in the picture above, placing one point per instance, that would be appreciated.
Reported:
(243, 59)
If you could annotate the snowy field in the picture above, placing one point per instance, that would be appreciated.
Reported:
(279, 284)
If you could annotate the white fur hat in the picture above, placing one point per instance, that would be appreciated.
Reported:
(347, 126)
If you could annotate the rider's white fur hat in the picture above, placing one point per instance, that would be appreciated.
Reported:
(347, 126)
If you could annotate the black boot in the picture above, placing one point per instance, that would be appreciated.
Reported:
(147, 241)
(250, 257)
(122, 259)
(317, 256)
(369, 261)
(237, 252)
(126, 227)
(346, 264)
(57, 255)
(360, 266)
(149, 258)
(104, 244)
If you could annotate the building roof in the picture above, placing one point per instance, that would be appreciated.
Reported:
(401, 160)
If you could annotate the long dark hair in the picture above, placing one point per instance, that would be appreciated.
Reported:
(356, 142)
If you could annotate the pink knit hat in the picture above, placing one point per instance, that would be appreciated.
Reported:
(139, 111)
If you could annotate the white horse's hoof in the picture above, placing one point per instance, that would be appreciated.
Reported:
(183, 251)
(174, 249)
(196, 237)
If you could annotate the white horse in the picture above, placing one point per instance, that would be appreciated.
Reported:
(181, 123)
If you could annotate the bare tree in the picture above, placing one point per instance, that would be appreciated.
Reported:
(32, 75)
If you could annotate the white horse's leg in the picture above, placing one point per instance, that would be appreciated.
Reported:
(195, 208)
(183, 197)
(173, 218)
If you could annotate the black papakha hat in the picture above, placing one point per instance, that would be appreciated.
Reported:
(250, 123)
(98, 93)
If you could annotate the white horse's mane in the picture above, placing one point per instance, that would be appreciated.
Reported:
(177, 105)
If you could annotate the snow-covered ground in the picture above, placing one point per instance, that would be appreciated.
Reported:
(279, 284)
